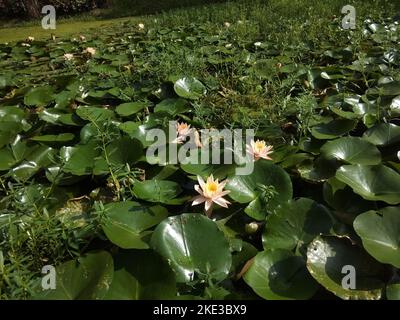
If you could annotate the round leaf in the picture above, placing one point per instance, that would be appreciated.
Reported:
(333, 129)
(125, 223)
(130, 108)
(189, 88)
(247, 188)
(279, 275)
(194, 246)
(376, 183)
(380, 234)
(352, 150)
(141, 275)
(296, 223)
(326, 258)
(383, 134)
(87, 279)
(159, 191)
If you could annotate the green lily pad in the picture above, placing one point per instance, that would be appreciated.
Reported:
(130, 108)
(172, 106)
(63, 137)
(125, 223)
(119, 153)
(383, 134)
(194, 247)
(159, 191)
(393, 291)
(352, 150)
(333, 129)
(89, 278)
(266, 175)
(280, 275)
(94, 114)
(296, 223)
(380, 234)
(79, 160)
(326, 259)
(141, 275)
(376, 183)
(189, 88)
(39, 96)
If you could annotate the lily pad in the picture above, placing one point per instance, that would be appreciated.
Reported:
(280, 275)
(333, 129)
(194, 247)
(159, 191)
(383, 134)
(376, 183)
(326, 259)
(89, 278)
(380, 234)
(352, 150)
(39, 96)
(189, 88)
(266, 175)
(130, 108)
(141, 275)
(295, 224)
(125, 223)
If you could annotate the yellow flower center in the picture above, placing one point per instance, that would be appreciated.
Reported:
(259, 145)
(211, 187)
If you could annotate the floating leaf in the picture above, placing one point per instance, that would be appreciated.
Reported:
(280, 275)
(89, 278)
(159, 191)
(141, 275)
(266, 175)
(79, 160)
(352, 150)
(194, 247)
(376, 183)
(383, 134)
(130, 108)
(296, 223)
(125, 223)
(189, 88)
(333, 129)
(380, 234)
(39, 96)
(327, 257)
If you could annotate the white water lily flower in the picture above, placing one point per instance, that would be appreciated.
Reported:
(227, 24)
(90, 50)
(141, 26)
(228, 45)
(257, 44)
(82, 38)
(30, 39)
(68, 56)
(210, 192)
(259, 149)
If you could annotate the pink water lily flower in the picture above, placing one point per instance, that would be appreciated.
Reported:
(210, 192)
(68, 56)
(90, 50)
(183, 130)
(259, 149)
